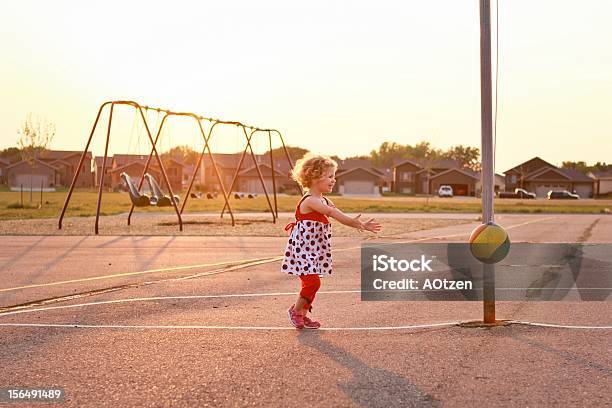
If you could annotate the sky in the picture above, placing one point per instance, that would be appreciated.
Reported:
(335, 77)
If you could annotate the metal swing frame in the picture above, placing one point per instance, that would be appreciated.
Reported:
(198, 118)
(248, 146)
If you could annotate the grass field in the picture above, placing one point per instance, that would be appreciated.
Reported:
(83, 204)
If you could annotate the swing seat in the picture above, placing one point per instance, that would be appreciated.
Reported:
(138, 199)
(165, 201)
(162, 200)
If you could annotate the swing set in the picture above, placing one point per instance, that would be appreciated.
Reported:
(157, 197)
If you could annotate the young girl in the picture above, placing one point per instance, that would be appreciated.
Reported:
(308, 252)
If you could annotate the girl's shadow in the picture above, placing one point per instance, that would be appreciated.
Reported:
(369, 387)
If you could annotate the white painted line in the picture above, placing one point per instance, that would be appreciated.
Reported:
(238, 327)
(145, 299)
(560, 326)
(174, 327)
(201, 327)
(119, 275)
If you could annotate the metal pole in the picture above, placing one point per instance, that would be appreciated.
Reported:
(288, 158)
(216, 169)
(273, 178)
(110, 121)
(486, 116)
(192, 180)
(263, 183)
(93, 129)
(235, 177)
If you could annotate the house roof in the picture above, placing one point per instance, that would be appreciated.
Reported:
(60, 161)
(354, 169)
(542, 170)
(139, 163)
(529, 161)
(597, 174)
(4, 162)
(432, 164)
(439, 164)
(122, 159)
(404, 161)
(20, 162)
(249, 169)
(570, 174)
(345, 165)
(467, 172)
(352, 163)
(177, 161)
(63, 154)
(576, 175)
(226, 159)
(230, 160)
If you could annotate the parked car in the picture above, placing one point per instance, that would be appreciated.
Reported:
(518, 193)
(562, 195)
(445, 191)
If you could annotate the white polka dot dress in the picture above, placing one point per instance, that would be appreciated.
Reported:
(308, 251)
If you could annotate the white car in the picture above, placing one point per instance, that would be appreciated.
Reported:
(445, 191)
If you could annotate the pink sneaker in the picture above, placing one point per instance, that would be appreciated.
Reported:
(311, 324)
(296, 319)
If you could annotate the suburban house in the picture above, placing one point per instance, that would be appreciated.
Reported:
(50, 169)
(3, 164)
(180, 174)
(98, 161)
(602, 181)
(359, 177)
(249, 181)
(499, 184)
(134, 165)
(419, 176)
(248, 178)
(539, 176)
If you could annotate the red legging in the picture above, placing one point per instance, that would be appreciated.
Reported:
(310, 285)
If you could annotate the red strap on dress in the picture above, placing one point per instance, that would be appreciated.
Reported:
(313, 216)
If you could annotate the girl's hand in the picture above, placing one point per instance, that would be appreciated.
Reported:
(369, 225)
(372, 226)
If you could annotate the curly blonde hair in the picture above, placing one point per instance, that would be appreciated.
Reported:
(311, 167)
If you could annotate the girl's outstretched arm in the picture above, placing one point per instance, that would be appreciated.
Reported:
(316, 205)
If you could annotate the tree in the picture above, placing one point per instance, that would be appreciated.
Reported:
(390, 152)
(294, 151)
(580, 166)
(12, 154)
(387, 153)
(184, 153)
(35, 135)
(466, 156)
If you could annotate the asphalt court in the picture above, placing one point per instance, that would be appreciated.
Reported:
(188, 314)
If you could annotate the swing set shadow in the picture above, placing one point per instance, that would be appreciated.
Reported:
(248, 131)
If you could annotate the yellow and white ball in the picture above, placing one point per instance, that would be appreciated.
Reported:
(489, 243)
